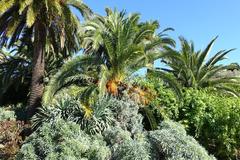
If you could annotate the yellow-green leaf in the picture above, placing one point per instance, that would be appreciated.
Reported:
(5, 5)
(24, 4)
(12, 27)
(31, 16)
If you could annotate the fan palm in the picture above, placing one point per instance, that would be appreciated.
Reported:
(49, 22)
(191, 68)
(116, 46)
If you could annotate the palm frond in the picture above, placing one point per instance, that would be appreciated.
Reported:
(71, 68)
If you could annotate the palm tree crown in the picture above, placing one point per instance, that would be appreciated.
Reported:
(192, 69)
(116, 46)
(47, 23)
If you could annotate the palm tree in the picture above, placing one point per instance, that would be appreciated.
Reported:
(15, 75)
(15, 71)
(48, 22)
(191, 68)
(116, 46)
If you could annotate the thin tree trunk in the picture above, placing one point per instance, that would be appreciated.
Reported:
(36, 90)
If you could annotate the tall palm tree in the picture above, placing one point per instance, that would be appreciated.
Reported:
(15, 71)
(191, 68)
(49, 22)
(116, 46)
(15, 75)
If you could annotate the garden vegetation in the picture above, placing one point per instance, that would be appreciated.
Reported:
(71, 89)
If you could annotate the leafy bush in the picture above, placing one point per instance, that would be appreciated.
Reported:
(10, 138)
(221, 128)
(193, 109)
(171, 142)
(7, 115)
(163, 105)
(214, 119)
(125, 146)
(62, 139)
(114, 130)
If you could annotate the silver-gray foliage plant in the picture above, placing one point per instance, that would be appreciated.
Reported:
(115, 131)
(59, 140)
(6, 115)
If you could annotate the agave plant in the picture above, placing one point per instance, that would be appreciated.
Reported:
(191, 68)
(92, 119)
(116, 46)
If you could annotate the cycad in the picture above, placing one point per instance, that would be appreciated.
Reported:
(191, 68)
(50, 22)
(116, 46)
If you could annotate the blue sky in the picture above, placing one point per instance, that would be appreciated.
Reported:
(197, 20)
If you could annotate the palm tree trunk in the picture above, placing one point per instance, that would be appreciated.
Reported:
(36, 90)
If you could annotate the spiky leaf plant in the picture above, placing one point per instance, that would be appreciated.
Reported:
(92, 119)
(117, 46)
(191, 68)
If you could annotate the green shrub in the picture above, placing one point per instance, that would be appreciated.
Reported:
(114, 131)
(62, 139)
(193, 109)
(220, 132)
(171, 142)
(106, 111)
(7, 115)
(214, 119)
(163, 105)
(125, 146)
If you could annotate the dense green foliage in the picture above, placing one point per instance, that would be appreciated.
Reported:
(6, 115)
(209, 116)
(191, 68)
(63, 140)
(124, 138)
(170, 141)
(114, 52)
(214, 120)
(93, 105)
